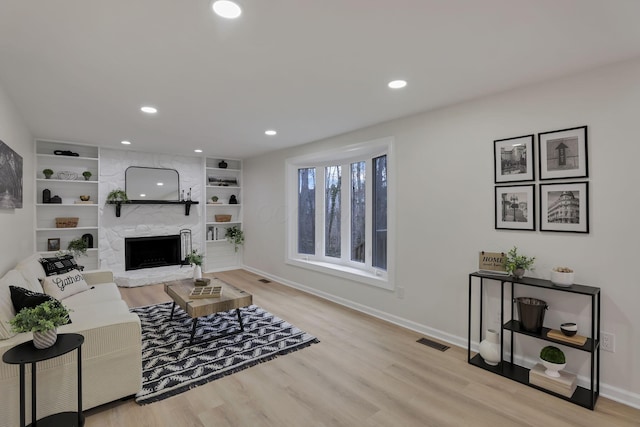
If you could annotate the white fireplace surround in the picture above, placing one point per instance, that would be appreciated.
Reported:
(147, 220)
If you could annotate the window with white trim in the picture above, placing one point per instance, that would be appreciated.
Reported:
(343, 212)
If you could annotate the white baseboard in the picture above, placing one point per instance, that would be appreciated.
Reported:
(610, 392)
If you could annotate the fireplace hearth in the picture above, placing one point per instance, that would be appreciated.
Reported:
(151, 251)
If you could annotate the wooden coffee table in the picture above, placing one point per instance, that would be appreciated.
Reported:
(231, 298)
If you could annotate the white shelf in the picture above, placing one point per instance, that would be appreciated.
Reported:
(66, 228)
(217, 241)
(224, 223)
(223, 170)
(224, 187)
(219, 205)
(69, 190)
(89, 251)
(67, 205)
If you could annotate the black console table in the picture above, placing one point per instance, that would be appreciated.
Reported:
(585, 397)
(26, 353)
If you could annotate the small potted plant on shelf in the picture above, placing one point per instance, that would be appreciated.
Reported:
(516, 265)
(43, 320)
(77, 248)
(235, 235)
(117, 196)
(553, 359)
(214, 199)
(195, 258)
(87, 175)
(47, 173)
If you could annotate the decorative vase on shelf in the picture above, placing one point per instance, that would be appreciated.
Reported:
(197, 272)
(46, 339)
(490, 348)
(518, 273)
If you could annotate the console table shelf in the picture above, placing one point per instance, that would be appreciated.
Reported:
(582, 396)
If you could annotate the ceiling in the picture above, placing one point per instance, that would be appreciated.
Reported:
(79, 70)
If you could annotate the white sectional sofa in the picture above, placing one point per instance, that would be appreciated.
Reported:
(111, 353)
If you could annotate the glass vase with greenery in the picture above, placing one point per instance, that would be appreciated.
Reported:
(235, 235)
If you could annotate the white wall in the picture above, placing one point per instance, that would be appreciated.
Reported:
(446, 212)
(16, 225)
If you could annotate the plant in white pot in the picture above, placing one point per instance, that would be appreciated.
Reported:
(553, 360)
(517, 265)
(43, 320)
(195, 258)
(562, 276)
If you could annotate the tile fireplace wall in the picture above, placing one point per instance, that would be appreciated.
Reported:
(146, 220)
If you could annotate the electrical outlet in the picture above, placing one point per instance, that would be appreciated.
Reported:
(608, 342)
(400, 292)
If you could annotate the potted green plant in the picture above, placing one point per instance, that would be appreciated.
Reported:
(77, 248)
(553, 359)
(516, 265)
(47, 173)
(195, 258)
(87, 175)
(43, 320)
(214, 199)
(117, 196)
(235, 235)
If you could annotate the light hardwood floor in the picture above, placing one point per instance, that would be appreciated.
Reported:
(364, 372)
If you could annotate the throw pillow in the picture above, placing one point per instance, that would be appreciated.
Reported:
(24, 298)
(62, 286)
(59, 264)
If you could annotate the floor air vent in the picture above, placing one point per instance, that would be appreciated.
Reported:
(433, 344)
(264, 280)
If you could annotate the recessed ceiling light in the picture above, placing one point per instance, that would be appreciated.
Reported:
(226, 9)
(270, 132)
(125, 143)
(397, 84)
(149, 110)
(160, 184)
(197, 150)
(143, 195)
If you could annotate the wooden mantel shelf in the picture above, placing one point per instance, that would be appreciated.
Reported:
(187, 204)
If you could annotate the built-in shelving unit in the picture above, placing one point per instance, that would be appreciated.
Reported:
(222, 182)
(583, 396)
(68, 183)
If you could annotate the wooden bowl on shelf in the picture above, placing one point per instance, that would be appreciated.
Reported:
(66, 222)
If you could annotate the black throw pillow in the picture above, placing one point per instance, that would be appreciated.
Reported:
(24, 298)
(60, 264)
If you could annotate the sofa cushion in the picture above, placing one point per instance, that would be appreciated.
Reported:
(58, 265)
(64, 285)
(32, 271)
(98, 294)
(24, 298)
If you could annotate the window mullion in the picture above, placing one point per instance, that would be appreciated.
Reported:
(320, 192)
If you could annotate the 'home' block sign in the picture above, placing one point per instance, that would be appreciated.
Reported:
(492, 262)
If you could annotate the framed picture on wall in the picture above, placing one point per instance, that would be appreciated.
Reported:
(563, 153)
(53, 245)
(515, 208)
(564, 207)
(513, 159)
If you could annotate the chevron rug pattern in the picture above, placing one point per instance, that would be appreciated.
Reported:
(171, 366)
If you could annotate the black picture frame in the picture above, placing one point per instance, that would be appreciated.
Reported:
(564, 207)
(513, 159)
(563, 153)
(10, 178)
(515, 207)
(53, 244)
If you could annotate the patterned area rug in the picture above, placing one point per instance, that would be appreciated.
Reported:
(171, 366)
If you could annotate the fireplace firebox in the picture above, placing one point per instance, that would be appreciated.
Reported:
(152, 251)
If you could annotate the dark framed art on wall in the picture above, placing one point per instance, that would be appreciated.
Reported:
(513, 159)
(563, 153)
(515, 207)
(564, 207)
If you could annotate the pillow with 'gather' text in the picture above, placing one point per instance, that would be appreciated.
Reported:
(64, 285)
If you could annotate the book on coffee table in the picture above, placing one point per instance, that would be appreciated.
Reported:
(206, 292)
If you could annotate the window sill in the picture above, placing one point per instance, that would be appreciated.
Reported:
(357, 275)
